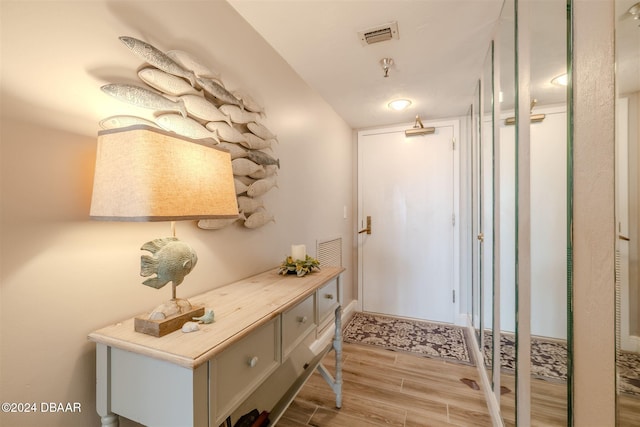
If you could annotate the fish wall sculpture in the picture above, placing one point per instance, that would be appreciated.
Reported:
(182, 94)
(261, 130)
(186, 126)
(218, 91)
(239, 115)
(248, 205)
(262, 158)
(145, 98)
(157, 58)
(244, 166)
(191, 63)
(226, 132)
(115, 122)
(201, 109)
(254, 142)
(261, 186)
(165, 82)
(249, 103)
(258, 219)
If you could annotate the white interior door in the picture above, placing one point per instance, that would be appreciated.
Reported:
(407, 187)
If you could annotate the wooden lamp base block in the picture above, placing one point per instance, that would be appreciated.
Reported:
(159, 328)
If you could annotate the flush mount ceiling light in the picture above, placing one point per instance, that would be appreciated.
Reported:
(399, 104)
(635, 11)
(561, 80)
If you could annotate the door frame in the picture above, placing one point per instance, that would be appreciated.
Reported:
(458, 318)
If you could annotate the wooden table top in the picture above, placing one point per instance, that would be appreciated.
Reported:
(239, 308)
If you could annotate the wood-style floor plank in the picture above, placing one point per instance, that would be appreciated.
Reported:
(385, 388)
(393, 389)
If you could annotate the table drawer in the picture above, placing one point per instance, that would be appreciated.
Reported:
(297, 323)
(327, 300)
(241, 368)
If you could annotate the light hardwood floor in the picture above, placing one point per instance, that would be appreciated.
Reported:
(385, 388)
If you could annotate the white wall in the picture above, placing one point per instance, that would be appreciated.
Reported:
(62, 275)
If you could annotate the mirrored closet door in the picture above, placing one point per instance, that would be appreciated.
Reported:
(627, 132)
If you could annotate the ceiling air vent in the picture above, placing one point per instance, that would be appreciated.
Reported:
(379, 34)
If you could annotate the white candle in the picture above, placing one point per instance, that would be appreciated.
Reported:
(298, 252)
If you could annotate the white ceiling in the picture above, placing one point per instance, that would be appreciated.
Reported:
(438, 57)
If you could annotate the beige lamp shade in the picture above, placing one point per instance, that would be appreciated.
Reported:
(146, 174)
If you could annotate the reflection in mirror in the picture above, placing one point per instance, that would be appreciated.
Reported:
(485, 237)
(627, 32)
(548, 198)
(506, 218)
(476, 220)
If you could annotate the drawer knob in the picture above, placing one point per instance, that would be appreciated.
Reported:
(302, 319)
(253, 361)
(328, 296)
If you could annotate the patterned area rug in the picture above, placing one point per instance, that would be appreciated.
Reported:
(548, 357)
(549, 361)
(427, 339)
(629, 373)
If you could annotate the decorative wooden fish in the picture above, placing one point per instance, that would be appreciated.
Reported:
(157, 58)
(261, 130)
(185, 126)
(261, 186)
(217, 224)
(268, 171)
(249, 205)
(245, 179)
(218, 91)
(249, 103)
(262, 158)
(115, 122)
(255, 142)
(258, 219)
(171, 261)
(238, 115)
(244, 166)
(241, 187)
(145, 98)
(189, 62)
(200, 108)
(165, 82)
(226, 132)
(235, 150)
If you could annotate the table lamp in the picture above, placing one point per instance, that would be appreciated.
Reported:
(146, 174)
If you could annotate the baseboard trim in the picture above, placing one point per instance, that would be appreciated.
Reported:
(490, 397)
(322, 340)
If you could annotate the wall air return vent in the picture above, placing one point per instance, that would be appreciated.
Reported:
(379, 33)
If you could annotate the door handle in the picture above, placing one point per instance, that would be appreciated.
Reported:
(368, 229)
(481, 237)
(625, 238)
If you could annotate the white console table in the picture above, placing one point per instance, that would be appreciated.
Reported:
(200, 378)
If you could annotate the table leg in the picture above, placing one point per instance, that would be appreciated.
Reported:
(337, 346)
(103, 386)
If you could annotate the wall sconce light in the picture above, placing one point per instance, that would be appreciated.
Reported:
(419, 129)
(146, 174)
(534, 118)
(399, 104)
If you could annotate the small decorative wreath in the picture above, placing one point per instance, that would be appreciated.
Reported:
(299, 266)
